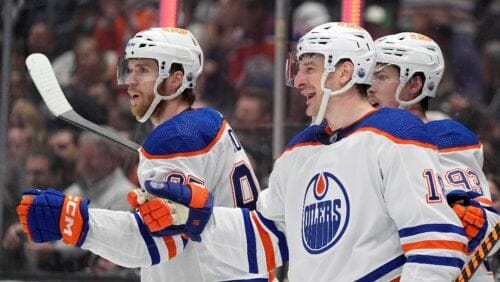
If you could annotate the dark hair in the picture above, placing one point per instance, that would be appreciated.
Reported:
(424, 103)
(188, 94)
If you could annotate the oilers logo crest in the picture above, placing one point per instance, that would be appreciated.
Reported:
(325, 213)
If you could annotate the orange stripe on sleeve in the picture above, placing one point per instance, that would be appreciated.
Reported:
(463, 148)
(188, 154)
(170, 243)
(435, 244)
(396, 139)
(484, 201)
(266, 241)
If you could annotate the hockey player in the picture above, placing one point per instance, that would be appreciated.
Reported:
(409, 69)
(187, 146)
(349, 207)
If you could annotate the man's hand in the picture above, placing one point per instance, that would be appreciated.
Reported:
(50, 215)
(471, 215)
(180, 209)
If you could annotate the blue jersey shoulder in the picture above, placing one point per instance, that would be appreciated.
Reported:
(188, 131)
(311, 134)
(448, 134)
(395, 122)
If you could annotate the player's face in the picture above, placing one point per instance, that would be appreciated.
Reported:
(141, 76)
(384, 84)
(308, 81)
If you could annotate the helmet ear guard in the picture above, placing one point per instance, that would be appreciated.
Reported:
(167, 46)
(412, 53)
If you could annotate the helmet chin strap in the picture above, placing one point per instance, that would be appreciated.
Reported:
(158, 98)
(327, 93)
(402, 103)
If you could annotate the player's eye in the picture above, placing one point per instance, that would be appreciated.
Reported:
(143, 70)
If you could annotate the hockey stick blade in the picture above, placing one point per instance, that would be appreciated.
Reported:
(480, 255)
(45, 81)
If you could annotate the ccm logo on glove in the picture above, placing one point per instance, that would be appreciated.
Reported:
(71, 205)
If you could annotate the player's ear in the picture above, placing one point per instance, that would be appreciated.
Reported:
(172, 83)
(346, 70)
(415, 85)
(177, 78)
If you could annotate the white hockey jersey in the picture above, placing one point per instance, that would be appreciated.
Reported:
(361, 204)
(194, 146)
(461, 158)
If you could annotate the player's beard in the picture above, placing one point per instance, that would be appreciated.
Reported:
(141, 105)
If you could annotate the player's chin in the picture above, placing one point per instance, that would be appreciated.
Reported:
(137, 110)
(311, 111)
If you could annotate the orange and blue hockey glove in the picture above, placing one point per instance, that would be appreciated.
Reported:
(49, 215)
(179, 209)
(471, 214)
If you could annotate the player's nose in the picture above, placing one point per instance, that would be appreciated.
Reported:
(299, 80)
(131, 79)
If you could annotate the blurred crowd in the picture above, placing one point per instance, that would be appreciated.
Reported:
(85, 38)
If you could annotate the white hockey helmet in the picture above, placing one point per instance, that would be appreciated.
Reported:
(412, 53)
(336, 41)
(166, 46)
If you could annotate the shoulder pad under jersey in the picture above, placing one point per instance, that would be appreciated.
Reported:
(189, 131)
(393, 123)
(448, 134)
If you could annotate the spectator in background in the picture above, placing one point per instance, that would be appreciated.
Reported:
(63, 142)
(43, 169)
(25, 114)
(253, 109)
(41, 40)
(252, 119)
(378, 21)
(101, 178)
(256, 19)
(83, 60)
(218, 34)
(19, 86)
(308, 15)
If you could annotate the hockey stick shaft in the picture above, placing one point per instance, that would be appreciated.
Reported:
(45, 81)
(480, 255)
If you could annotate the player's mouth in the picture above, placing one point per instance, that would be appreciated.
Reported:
(134, 98)
(309, 96)
(373, 102)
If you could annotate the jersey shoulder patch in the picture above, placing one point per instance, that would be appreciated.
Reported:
(394, 123)
(449, 134)
(187, 132)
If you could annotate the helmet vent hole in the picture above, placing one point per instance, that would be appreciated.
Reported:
(142, 45)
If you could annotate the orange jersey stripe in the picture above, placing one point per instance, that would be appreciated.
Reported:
(396, 139)
(170, 243)
(266, 241)
(484, 201)
(187, 154)
(463, 148)
(435, 244)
